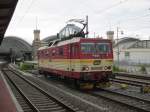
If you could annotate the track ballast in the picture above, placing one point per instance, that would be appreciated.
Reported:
(33, 97)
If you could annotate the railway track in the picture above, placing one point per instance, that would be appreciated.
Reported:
(32, 98)
(130, 82)
(133, 102)
(136, 103)
(131, 79)
(144, 77)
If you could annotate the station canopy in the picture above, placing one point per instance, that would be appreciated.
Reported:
(16, 45)
(7, 8)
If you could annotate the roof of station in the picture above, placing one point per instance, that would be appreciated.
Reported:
(126, 40)
(7, 8)
(130, 42)
(49, 38)
(16, 44)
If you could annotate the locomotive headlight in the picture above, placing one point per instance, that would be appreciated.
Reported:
(107, 67)
(85, 68)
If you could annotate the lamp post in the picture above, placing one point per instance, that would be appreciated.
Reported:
(87, 29)
(118, 49)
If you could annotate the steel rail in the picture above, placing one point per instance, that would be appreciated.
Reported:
(45, 93)
(123, 101)
(129, 82)
(132, 75)
(33, 107)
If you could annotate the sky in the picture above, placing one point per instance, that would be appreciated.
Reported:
(50, 16)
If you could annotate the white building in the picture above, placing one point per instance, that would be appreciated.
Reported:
(130, 50)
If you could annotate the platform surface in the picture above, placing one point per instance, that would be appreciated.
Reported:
(6, 102)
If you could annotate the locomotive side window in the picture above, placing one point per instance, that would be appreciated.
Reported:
(88, 47)
(46, 52)
(102, 47)
(53, 52)
(95, 47)
(61, 52)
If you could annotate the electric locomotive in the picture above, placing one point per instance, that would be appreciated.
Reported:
(85, 61)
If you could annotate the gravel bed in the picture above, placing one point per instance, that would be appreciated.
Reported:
(110, 105)
(98, 102)
(133, 93)
(131, 90)
(71, 98)
(134, 79)
(67, 96)
(117, 87)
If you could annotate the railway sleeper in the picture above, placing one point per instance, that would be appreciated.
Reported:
(51, 109)
(42, 104)
(63, 110)
(28, 110)
(50, 103)
(47, 105)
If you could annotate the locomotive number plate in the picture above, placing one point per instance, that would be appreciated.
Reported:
(97, 62)
(96, 68)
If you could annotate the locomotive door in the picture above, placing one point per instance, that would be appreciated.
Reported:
(70, 58)
(73, 55)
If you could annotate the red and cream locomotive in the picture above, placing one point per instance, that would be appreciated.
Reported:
(86, 61)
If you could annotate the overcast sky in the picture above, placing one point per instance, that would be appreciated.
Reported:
(131, 16)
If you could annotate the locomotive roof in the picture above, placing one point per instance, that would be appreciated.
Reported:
(73, 40)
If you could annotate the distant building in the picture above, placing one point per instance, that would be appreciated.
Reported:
(16, 47)
(110, 35)
(36, 43)
(130, 50)
(47, 40)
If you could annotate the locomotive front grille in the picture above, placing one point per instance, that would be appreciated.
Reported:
(96, 68)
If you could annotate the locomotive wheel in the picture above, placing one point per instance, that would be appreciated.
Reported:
(45, 75)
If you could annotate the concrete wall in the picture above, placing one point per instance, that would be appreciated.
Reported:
(134, 69)
(137, 56)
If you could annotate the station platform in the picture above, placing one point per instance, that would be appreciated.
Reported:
(8, 102)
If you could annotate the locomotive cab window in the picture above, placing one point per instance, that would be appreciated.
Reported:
(102, 48)
(87, 47)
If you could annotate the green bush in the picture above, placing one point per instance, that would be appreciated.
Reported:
(143, 69)
(26, 66)
(117, 69)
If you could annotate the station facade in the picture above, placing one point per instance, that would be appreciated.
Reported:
(131, 50)
(16, 48)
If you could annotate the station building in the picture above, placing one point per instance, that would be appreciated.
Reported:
(16, 48)
(130, 50)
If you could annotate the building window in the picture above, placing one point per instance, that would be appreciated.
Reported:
(127, 54)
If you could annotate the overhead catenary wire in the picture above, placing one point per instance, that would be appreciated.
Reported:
(111, 7)
(26, 11)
